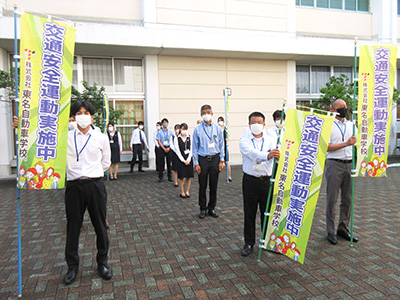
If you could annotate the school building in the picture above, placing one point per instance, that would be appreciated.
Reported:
(166, 58)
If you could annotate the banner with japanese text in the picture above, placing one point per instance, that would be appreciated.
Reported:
(47, 54)
(298, 180)
(375, 96)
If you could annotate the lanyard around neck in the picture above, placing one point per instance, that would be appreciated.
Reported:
(341, 132)
(205, 131)
(262, 145)
(76, 146)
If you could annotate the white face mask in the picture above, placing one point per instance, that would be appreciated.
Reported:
(141, 127)
(256, 129)
(221, 123)
(184, 132)
(111, 129)
(158, 127)
(72, 125)
(206, 118)
(177, 132)
(278, 124)
(83, 120)
(165, 125)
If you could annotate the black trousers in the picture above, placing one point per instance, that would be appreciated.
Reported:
(157, 152)
(164, 156)
(79, 195)
(137, 151)
(255, 194)
(209, 172)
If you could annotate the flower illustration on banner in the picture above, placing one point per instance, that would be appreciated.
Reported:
(29, 54)
(364, 76)
(289, 144)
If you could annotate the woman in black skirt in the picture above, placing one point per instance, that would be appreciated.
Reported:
(183, 145)
(174, 157)
(116, 149)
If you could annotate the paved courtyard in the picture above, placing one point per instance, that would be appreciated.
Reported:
(159, 249)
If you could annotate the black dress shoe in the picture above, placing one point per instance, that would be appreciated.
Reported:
(247, 249)
(176, 185)
(104, 272)
(182, 196)
(141, 170)
(213, 213)
(346, 235)
(170, 180)
(160, 180)
(202, 214)
(332, 238)
(70, 276)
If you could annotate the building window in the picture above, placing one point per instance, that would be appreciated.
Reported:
(98, 70)
(351, 5)
(319, 77)
(310, 79)
(75, 74)
(128, 75)
(133, 113)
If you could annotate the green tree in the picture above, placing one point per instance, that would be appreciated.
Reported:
(94, 94)
(7, 81)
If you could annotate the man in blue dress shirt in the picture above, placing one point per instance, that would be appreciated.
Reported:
(163, 139)
(208, 157)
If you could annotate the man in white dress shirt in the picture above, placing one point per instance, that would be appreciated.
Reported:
(138, 137)
(157, 146)
(338, 173)
(274, 130)
(88, 157)
(258, 151)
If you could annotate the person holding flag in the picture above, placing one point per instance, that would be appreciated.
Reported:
(338, 173)
(258, 153)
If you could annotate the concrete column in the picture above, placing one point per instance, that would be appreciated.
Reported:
(149, 11)
(151, 103)
(291, 82)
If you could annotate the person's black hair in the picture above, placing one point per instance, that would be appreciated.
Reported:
(184, 125)
(204, 107)
(177, 126)
(79, 104)
(278, 115)
(140, 123)
(164, 120)
(158, 123)
(111, 123)
(221, 118)
(256, 114)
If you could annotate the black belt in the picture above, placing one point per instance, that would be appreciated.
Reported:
(341, 160)
(209, 157)
(87, 180)
(259, 178)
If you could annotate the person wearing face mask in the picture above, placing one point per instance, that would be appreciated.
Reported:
(274, 130)
(221, 122)
(163, 140)
(183, 147)
(174, 157)
(88, 157)
(116, 149)
(72, 123)
(338, 173)
(157, 146)
(138, 138)
(208, 156)
(258, 151)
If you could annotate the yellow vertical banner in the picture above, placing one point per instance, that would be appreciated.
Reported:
(375, 96)
(47, 53)
(298, 180)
